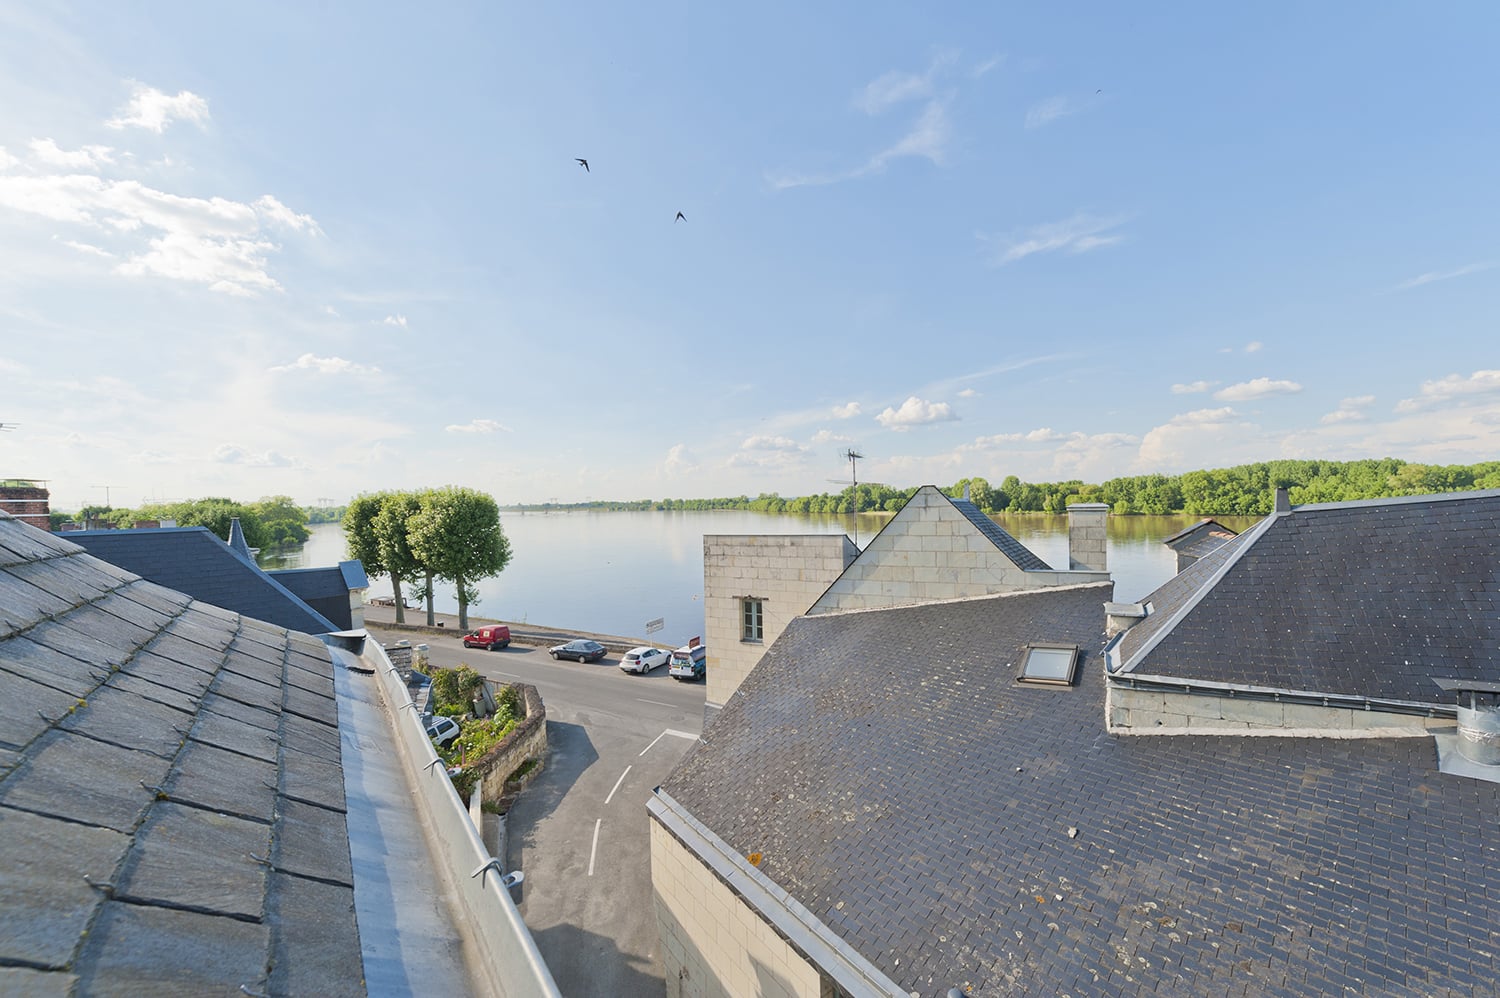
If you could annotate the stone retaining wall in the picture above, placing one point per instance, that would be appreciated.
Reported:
(528, 740)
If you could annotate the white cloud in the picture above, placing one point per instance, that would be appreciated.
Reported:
(1446, 275)
(395, 320)
(1189, 436)
(1051, 109)
(1044, 435)
(984, 67)
(1079, 234)
(234, 454)
(897, 86)
(1452, 387)
(680, 461)
(968, 393)
(87, 248)
(770, 443)
(153, 110)
(829, 437)
(1254, 346)
(7, 160)
(1193, 387)
(211, 241)
(478, 426)
(893, 88)
(915, 412)
(279, 214)
(1350, 410)
(1258, 388)
(47, 151)
(324, 365)
(846, 411)
(927, 139)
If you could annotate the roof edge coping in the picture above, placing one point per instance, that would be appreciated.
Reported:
(857, 975)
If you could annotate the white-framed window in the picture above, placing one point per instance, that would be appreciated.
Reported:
(753, 616)
(1049, 664)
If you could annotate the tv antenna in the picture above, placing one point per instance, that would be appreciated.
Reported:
(106, 489)
(853, 482)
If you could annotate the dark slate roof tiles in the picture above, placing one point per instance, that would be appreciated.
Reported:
(900, 783)
(194, 561)
(1022, 556)
(144, 752)
(1370, 599)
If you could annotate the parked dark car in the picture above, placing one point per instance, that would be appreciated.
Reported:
(582, 650)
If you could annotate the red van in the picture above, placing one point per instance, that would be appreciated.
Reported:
(492, 637)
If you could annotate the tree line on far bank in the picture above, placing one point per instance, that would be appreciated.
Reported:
(269, 522)
(1243, 490)
(451, 534)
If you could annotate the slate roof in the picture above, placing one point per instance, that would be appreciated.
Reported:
(1372, 599)
(172, 812)
(900, 783)
(1199, 539)
(193, 560)
(1023, 557)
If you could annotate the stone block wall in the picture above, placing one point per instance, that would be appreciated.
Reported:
(528, 740)
(788, 571)
(1159, 712)
(930, 551)
(712, 943)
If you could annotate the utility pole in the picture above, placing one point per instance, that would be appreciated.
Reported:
(106, 489)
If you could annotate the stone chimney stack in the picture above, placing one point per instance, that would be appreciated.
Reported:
(1087, 537)
(26, 501)
(1283, 500)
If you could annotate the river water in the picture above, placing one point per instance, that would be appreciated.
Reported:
(611, 572)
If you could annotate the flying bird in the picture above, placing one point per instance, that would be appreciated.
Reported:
(583, 163)
(680, 218)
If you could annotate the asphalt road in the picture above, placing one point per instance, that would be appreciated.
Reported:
(579, 832)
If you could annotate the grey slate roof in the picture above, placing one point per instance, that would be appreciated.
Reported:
(1199, 539)
(193, 560)
(172, 814)
(900, 783)
(1019, 553)
(1371, 599)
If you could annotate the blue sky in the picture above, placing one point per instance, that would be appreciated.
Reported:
(322, 249)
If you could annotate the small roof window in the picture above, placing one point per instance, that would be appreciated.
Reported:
(1049, 665)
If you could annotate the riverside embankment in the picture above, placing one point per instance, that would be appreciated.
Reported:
(384, 617)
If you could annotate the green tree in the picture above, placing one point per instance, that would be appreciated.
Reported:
(456, 535)
(391, 527)
(281, 521)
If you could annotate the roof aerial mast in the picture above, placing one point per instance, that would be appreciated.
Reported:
(853, 482)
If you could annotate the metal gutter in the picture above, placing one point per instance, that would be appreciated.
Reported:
(1308, 697)
(855, 975)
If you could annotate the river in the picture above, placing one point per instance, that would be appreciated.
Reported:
(610, 572)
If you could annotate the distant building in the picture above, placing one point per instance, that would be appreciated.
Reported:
(933, 548)
(1198, 540)
(1284, 778)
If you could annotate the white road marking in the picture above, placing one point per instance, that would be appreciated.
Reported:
(617, 785)
(657, 702)
(595, 847)
(674, 734)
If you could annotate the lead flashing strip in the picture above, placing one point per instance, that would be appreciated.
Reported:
(800, 927)
(1310, 697)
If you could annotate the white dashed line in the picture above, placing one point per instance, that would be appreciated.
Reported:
(595, 847)
(617, 785)
(657, 702)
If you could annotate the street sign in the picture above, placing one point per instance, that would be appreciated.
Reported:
(652, 626)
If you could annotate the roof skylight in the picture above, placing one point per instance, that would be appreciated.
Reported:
(1050, 665)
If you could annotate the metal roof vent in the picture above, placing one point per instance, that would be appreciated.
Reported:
(1474, 750)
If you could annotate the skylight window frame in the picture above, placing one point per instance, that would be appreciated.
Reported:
(1060, 682)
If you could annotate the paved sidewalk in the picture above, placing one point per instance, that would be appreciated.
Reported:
(526, 634)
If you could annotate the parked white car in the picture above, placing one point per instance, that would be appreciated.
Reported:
(644, 659)
(442, 730)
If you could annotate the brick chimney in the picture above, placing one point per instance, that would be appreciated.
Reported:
(1087, 537)
(26, 501)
